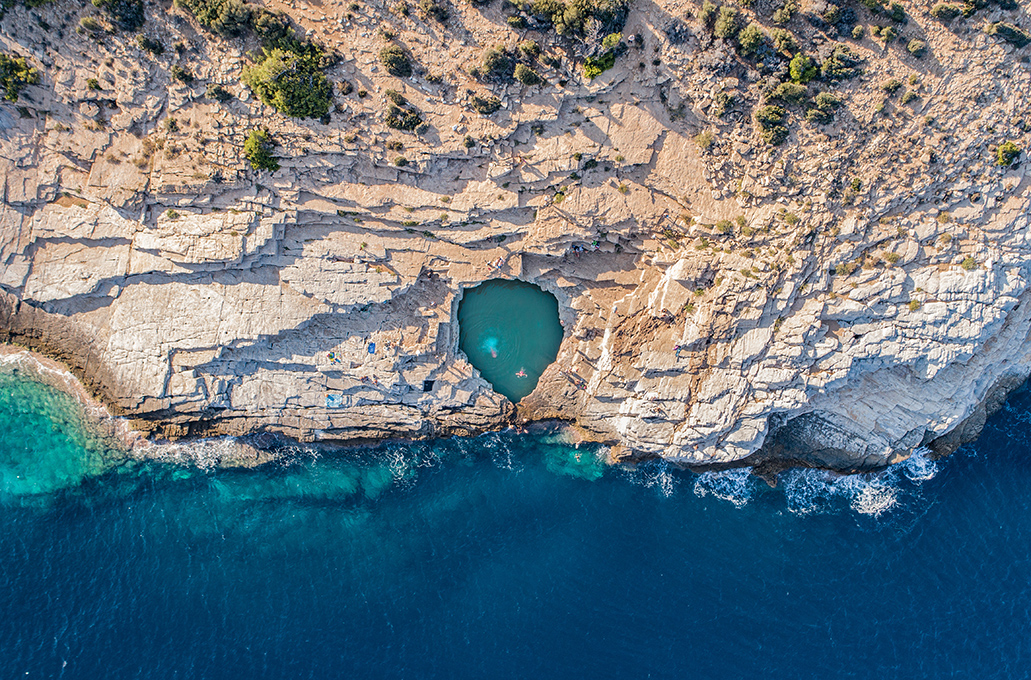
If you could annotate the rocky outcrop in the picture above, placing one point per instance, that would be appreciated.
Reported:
(838, 301)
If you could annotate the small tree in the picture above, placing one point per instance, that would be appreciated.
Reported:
(293, 85)
(751, 38)
(917, 48)
(258, 150)
(15, 73)
(486, 105)
(802, 68)
(1006, 154)
(527, 76)
(396, 61)
(727, 23)
(225, 17)
(497, 65)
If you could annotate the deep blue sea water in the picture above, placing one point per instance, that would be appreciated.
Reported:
(504, 556)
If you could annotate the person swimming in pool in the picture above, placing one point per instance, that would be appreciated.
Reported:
(491, 345)
(521, 373)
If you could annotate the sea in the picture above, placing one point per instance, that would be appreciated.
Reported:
(508, 555)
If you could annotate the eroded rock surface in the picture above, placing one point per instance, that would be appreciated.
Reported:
(853, 294)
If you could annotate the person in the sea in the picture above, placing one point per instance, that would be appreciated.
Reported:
(521, 373)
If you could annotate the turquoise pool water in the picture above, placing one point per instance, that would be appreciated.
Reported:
(510, 331)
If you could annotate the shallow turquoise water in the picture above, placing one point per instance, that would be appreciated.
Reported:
(506, 556)
(510, 331)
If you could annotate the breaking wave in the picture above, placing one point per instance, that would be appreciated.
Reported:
(735, 486)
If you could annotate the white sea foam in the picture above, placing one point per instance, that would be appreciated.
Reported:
(919, 467)
(735, 485)
(815, 491)
(652, 475)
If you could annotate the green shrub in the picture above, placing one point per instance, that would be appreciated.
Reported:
(611, 40)
(15, 73)
(783, 41)
(802, 68)
(400, 161)
(93, 84)
(181, 74)
(858, 32)
(783, 14)
(945, 11)
(751, 38)
(126, 14)
(841, 64)
(909, 96)
(527, 76)
(89, 25)
(888, 34)
(793, 93)
(891, 86)
(707, 14)
(969, 264)
(1007, 153)
(150, 45)
(897, 12)
(573, 16)
(292, 84)
(395, 61)
(530, 48)
(824, 106)
(705, 140)
(497, 65)
(486, 106)
(434, 9)
(516, 22)
(225, 17)
(1008, 32)
(917, 48)
(595, 67)
(396, 97)
(218, 93)
(771, 122)
(403, 116)
(721, 103)
(727, 23)
(258, 150)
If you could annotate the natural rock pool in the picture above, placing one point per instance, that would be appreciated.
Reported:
(510, 331)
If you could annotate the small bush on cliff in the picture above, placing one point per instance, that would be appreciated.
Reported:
(918, 48)
(396, 61)
(225, 17)
(292, 84)
(1008, 32)
(841, 64)
(1006, 154)
(486, 106)
(125, 14)
(497, 64)
(945, 12)
(802, 69)
(258, 150)
(15, 73)
(751, 39)
(792, 93)
(727, 23)
(771, 123)
(527, 76)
